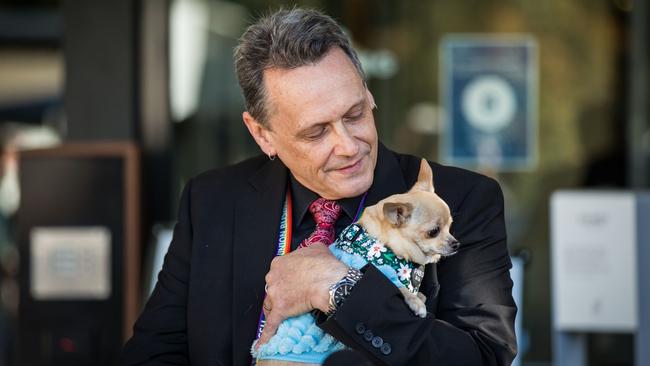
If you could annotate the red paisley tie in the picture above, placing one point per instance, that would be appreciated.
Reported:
(325, 214)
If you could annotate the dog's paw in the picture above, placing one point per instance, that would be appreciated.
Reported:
(414, 302)
(419, 310)
(422, 297)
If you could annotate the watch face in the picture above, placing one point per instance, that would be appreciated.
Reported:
(342, 292)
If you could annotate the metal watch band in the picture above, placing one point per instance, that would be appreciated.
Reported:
(336, 298)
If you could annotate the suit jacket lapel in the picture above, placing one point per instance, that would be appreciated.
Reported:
(388, 179)
(257, 223)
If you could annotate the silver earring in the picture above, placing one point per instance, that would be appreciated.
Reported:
(271, 157)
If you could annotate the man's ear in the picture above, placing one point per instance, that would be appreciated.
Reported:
(260, 133)
(425, 178)
(397, 213)
(371, 99)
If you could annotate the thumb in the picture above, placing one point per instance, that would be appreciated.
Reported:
(270, 327)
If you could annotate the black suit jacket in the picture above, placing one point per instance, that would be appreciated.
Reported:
(205, 307)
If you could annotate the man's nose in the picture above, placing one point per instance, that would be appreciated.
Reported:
(345, 143)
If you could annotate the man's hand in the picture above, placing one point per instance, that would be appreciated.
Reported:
(297, 283)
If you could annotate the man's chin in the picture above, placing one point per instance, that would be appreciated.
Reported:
(353, 187)
(353, 184)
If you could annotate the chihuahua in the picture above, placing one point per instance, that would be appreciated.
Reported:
(415, 226)
(399, 235)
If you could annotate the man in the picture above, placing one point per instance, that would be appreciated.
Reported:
(310, 112)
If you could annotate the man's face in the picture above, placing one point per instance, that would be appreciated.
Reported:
(321, 126)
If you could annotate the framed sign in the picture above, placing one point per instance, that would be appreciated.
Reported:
(594, 240)
(489, 97)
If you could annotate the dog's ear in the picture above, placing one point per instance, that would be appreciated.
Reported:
(425, 178)
(397, 213)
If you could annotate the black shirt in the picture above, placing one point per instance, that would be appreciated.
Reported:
(303, 221)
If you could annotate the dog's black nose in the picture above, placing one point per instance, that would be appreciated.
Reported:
(454, 244)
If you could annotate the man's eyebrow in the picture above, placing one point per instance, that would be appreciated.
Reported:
(306, 130)
(360, 103)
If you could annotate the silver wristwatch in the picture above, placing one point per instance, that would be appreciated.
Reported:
(341, 289)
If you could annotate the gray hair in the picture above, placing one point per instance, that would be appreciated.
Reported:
(285, 39)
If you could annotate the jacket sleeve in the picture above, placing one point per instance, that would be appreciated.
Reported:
(472, 318)
(159, 335)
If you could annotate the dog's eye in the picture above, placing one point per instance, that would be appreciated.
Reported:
(433, 232)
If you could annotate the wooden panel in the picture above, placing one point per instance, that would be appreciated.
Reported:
(82, 184)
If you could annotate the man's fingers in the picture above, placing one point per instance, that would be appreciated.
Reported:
(272, 323)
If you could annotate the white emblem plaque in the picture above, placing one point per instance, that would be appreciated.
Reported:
(70, 263)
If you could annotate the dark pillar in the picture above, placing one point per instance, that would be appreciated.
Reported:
(100, 45)
(116, 86)
(639, 81)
